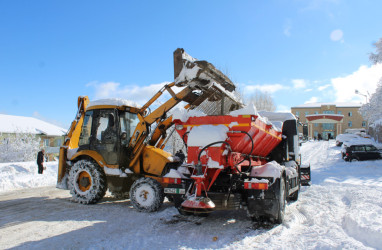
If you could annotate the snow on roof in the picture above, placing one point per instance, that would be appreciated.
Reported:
(328, 115)
(337, 104)
(113, 102)
(359, 141)
(22, 124)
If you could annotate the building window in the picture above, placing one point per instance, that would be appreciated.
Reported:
(46, 142)
(315, 134)
(328, 112)
(58, 142)
(350, 113)
(339, 112)
(306, 113)
(350, 124)
(364, 124)
(316, 124)
(297, 113)
(316, 112)
(328, 126)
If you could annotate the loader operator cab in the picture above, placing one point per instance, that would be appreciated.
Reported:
(108, 132)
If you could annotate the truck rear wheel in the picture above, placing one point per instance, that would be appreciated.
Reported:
(281, 201)
(146, 195)
(87, 182)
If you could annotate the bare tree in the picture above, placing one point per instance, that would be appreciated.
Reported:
(263, 101)
(377, 57)
(18, 147)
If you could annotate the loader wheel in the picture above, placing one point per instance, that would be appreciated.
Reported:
(146, 195)
(87, 182)
(281, 201)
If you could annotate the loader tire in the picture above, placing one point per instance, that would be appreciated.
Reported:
(281, 201)
(146, 195)
(87, 182)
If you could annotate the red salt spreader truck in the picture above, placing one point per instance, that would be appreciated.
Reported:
(243, 160)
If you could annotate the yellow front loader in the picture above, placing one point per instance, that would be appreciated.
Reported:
(114, 145)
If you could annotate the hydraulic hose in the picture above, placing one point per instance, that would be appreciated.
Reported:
(211, 144)
(185, 144)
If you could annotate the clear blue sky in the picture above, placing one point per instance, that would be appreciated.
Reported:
(300, 50)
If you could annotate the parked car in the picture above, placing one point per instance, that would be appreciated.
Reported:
(341, 138)
(360, 152)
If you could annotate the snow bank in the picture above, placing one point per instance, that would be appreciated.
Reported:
(20, 175)
(203, 135)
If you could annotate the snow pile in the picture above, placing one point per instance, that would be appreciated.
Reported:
(187, 74)
(270, 169)
(20, 175)
(173, 174)
(113, 102)
(114, 171)
(203, 135)
(183, 114)
(214, 164)
(247, 110)
(254, 180)
(277, 116)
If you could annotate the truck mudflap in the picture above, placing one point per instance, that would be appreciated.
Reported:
(263, 204)
(305, 175)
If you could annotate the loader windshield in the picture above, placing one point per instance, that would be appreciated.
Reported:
(129, 122)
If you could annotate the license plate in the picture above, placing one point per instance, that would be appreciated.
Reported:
(174, 190)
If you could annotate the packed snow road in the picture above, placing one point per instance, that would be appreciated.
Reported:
(342, 209)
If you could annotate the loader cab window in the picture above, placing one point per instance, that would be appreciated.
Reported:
(106, 130)
(129, 122)
(105, 135)
(86, 129)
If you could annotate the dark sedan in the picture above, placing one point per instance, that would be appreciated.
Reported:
(362, 153)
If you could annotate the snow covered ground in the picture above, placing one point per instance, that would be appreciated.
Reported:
(342, 209)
